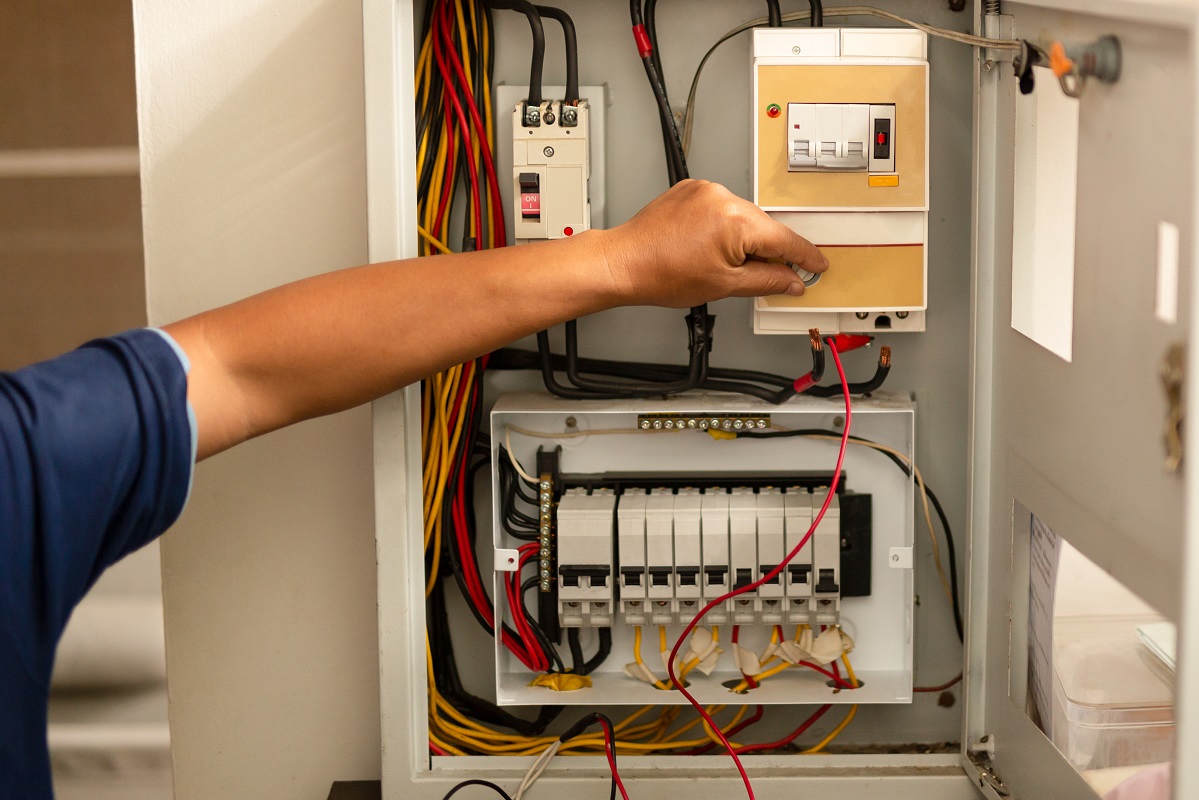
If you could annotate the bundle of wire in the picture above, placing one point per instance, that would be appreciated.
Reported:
(455, 131)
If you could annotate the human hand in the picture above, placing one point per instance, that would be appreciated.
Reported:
(699, 242)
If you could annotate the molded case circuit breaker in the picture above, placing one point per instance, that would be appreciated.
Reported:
(550, 170)
(841, 157)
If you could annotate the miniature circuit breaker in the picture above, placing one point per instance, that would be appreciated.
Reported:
(841, 156)
(585, 558)
(551, 168)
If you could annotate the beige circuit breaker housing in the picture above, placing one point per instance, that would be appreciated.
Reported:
(550, 170)
(841, 156)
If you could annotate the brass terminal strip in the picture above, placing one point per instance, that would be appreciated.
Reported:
(679, 422)
(545, 533)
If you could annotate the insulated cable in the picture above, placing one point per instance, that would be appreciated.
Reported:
(538, 33)
(769, 576)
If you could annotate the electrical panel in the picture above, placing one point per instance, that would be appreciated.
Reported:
(636, 541)
(551, 170)
(841, 156)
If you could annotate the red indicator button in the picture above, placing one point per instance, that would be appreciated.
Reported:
(568, 231)
(881, 138)
(773, 110)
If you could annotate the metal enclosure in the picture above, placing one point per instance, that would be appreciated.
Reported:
(1000, 419)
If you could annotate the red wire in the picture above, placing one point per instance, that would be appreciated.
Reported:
(841, 682)
(774, 573)
(488, 163)
(610, 751)
(789, 738)
(437, 751)
(452, 101)
(749, 679)
(733, 731)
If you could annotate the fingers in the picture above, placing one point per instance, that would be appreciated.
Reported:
(769, 238)
(760, 278)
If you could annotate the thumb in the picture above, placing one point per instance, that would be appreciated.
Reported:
(761, 278)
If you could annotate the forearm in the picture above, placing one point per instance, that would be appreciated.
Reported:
(334, 341)
(337, 340)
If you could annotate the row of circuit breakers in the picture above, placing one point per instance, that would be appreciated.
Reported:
(674, 550)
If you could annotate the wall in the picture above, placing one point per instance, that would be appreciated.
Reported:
(251, 123)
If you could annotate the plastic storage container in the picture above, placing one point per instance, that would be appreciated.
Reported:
(1113, 699)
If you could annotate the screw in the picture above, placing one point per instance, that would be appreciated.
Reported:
(571, 422)
(549, 151)
(901, 314)
(862, 314)
(573, 605)
(545, 574)
(549, 120)
(826, 602)
(988, 65)
(645, 425)
(668, 425)
(657, 424)
(533, 116)
(544, 485)
(946, 700)
(690, 423)
(635, 603)
(838, 422)
(599, 605)
(795, 50)
(760, 423)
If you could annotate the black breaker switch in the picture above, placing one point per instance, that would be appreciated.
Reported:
(882, 138)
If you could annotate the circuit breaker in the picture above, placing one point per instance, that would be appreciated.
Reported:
(551, 170)
(841, 156)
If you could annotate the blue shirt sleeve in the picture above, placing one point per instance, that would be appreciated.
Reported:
(96, 454)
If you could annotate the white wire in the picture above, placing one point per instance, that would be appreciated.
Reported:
(538, 767)
(846, 11)
(512, 456)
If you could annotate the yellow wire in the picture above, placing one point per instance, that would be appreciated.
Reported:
(433, 240)
(834, 733)
(637, 656)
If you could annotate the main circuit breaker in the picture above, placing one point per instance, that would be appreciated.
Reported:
(841, 156)
(551, 169)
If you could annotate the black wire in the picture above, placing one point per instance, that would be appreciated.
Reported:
(774, 13)
(674, 142)
(817, 19)
(535, 68)
(651, 30)
(572, 49)
(586, 666)
(950, 548)
(538, 631)
(586, 722)
(476, 782)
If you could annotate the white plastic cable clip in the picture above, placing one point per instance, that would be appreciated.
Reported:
(506, 560)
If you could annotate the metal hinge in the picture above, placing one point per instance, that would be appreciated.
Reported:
(980, 756)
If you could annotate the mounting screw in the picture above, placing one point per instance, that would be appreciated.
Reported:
(548, 151)
(645, 425)
(571, 422)
(549, 118)
(901, 314)
(862, 314)
(838, 422)
(795, 50)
